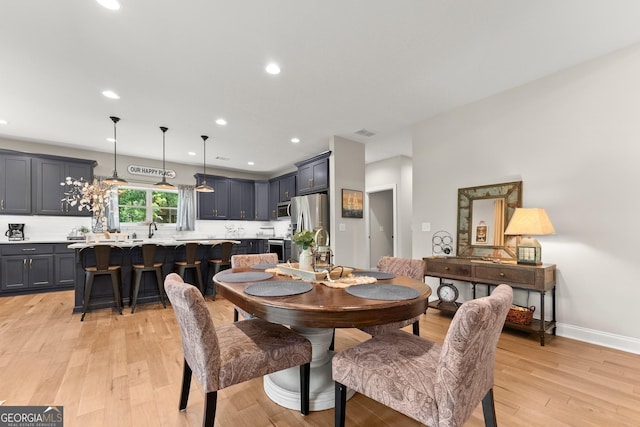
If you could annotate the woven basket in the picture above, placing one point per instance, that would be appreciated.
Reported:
(520, 315)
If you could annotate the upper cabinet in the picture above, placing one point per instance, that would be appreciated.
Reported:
(30, 184)
(48, 193)
(241, 195)
(213, 205)
(287, 185)
(15, 184)
(313, 175)
(261, 201)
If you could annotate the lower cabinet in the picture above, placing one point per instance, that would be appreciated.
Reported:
(30, 268)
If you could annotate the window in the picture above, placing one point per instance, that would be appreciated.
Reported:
(137, 205)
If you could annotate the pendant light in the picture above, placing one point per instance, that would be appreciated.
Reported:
(115, 180)
(164, 183)
(204, 188)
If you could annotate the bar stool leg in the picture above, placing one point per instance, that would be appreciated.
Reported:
(115, 279)
(88, 282)
(137, 277)
(160, 290)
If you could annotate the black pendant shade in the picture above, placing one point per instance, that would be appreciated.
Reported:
(204, 188)
(163, 183)
(114, 179)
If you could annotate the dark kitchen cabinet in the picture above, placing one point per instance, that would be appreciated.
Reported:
(274, 198)
(287, 184)
(213, 205)
(261, 200)
(47, 191)
(241, 195)
(313, 175)
(64, 266)
(26, 267)
(15, 184)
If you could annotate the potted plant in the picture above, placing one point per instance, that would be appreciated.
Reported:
(305, 240)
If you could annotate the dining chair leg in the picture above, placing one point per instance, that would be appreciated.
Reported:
(340, 404)
(186, 385)
(489, 409)
(210, 402)
(333, 341)
(416, 328)
(235, 314)
(199, 279)
(305, 374)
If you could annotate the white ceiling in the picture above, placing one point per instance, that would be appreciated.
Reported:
(347, 65)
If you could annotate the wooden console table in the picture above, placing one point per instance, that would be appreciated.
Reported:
(539, 279)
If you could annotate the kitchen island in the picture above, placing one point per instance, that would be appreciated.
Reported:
(102, 291)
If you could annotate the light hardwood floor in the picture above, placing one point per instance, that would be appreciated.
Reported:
(113, 370)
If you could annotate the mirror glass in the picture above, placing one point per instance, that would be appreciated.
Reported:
(483, 215)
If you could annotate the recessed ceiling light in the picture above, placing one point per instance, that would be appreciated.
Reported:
(3, 122)
(273, 68)
(110, 94)
(191, 153)
(109, 4)
(250, 163)
(221, 122)
(295, 140)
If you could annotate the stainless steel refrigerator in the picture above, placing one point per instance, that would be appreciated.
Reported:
(308, 213)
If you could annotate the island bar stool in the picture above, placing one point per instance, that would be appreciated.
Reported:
(189, 262)
(147, 258)
(219, 264)
(95, 262)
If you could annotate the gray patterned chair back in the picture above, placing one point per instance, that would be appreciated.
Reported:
(246, 261)
(465, 370)
(199, 339)
(413, 268)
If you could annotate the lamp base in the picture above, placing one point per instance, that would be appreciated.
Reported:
(529, 251)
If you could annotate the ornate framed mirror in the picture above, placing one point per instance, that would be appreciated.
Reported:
(483, 215)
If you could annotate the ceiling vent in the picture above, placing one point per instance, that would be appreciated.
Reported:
(365, 132)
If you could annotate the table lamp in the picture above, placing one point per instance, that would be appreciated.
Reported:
(527, 222)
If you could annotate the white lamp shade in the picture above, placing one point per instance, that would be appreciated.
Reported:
(529, 222)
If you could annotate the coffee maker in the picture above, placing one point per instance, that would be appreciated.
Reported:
(15, 232)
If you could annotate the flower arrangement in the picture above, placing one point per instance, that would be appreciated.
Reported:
(88, 196)
(304, 239)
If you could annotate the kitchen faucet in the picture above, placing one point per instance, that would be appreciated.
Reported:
(155, 227)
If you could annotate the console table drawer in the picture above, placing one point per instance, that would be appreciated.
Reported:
(446, 269)
(520, 277)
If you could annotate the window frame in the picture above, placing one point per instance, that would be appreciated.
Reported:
(148, 205)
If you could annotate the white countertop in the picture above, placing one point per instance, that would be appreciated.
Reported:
(138, 242)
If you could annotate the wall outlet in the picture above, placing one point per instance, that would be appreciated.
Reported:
(426, 226)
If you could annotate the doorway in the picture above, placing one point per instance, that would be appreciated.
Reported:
(381, 225)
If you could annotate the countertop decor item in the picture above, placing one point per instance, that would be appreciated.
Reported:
(88, 196)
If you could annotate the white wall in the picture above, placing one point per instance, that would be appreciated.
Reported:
(395, 173)
(572, 138)
(346, 171)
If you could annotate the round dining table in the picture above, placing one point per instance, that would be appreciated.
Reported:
(315, 314)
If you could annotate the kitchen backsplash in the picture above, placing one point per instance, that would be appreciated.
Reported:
(58, 227)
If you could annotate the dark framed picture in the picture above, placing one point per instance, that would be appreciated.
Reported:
(352, 204)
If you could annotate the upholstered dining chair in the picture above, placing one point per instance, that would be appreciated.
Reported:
(232, 353)
(437, 385)
(246, 261)
(413, 268)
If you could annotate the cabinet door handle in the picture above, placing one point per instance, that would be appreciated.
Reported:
(2, 204)
(446, 268)
(501, 274)
(30, 263)
(24, 263)
(310, 182)
(28, 249)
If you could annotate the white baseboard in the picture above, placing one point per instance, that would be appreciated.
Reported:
(605, 339)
